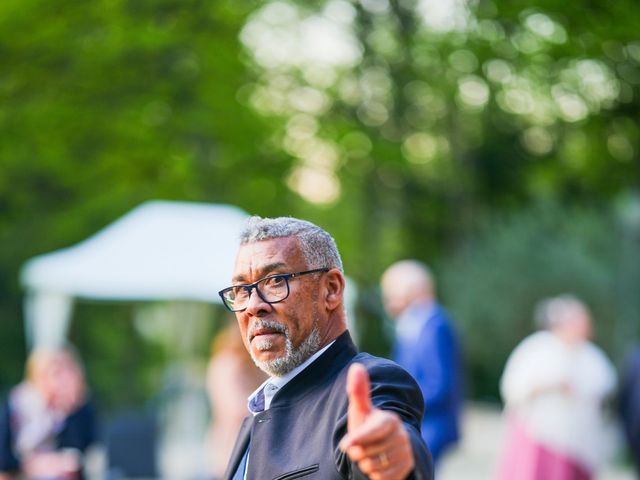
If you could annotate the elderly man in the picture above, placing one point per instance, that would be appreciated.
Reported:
(326, 412)
(426, 346)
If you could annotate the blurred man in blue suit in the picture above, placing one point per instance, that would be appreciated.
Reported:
(427, 347)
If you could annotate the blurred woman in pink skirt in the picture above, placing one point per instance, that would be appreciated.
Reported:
(554, 386)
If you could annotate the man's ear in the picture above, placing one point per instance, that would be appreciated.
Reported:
(334, 289)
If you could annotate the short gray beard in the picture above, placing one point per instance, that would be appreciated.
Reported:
(293, 357)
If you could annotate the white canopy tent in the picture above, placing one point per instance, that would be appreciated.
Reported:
(161, 250)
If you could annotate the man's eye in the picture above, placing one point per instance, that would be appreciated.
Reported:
(238, 292)
(276, 281)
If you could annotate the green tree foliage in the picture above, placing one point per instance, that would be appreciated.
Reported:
(425, 120)
(104, 105)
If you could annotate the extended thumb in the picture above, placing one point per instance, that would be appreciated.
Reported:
(358, 390)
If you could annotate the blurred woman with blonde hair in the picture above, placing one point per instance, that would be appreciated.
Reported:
(47, 421)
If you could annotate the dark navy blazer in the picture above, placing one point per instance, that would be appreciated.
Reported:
(298, 436)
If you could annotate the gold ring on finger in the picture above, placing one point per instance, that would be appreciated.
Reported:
(383, 459)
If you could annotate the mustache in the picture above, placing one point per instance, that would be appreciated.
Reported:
(270, 324)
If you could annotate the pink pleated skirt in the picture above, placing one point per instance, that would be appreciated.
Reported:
(526, 459)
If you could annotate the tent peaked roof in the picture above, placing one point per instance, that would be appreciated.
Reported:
(160, 250)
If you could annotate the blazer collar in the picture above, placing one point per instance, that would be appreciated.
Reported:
(241, 445)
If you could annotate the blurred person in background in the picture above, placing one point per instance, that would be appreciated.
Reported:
(231, 378)
(554, 386)
(427, 347)
(630, 403)
(47, 422)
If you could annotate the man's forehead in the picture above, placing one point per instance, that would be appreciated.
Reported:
(266, 255)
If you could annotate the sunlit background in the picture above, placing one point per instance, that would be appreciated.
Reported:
(497, 141)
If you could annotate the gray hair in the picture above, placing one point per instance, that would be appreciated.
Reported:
(318, 247)
(555, 311)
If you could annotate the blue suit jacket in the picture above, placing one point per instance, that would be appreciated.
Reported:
(432, 357)
(298, 436)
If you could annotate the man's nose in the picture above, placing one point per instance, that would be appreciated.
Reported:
(256, 306)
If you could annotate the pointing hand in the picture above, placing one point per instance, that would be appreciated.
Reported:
(376, 439)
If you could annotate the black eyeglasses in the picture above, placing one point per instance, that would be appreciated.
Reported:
(271, 289)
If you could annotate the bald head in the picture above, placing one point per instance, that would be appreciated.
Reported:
(405, 283)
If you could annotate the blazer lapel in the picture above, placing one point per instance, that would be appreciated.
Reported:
(242, 442)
